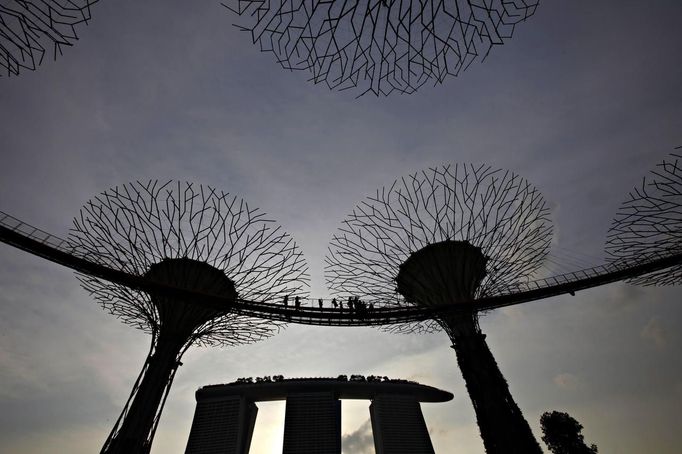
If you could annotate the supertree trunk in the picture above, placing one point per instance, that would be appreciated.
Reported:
(503, 428)
(134, 432)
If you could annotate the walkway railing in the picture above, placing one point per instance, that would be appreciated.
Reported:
(38, 242)
(28, 231)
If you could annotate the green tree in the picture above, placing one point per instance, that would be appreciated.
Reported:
(561, 434)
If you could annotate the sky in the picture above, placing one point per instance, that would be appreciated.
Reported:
(582, 102)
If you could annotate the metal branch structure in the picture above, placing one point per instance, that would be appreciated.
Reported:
(448, 236)
(380, 46)
(649, 223)
(19, 234)
(30, 28)
(453, 239)
(194, 238)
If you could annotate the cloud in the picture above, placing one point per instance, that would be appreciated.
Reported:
(627, 296)
(513, 313)
(359, 442)
(19, 376)
(566, 381)
(440, 431)
(654, 332)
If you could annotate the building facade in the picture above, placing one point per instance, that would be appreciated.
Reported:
(225, 415)
(222, 425)
(398, 425)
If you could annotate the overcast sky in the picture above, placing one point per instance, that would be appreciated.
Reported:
(582, 102)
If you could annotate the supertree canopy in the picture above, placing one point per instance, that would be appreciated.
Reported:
(649, 223)
(29, 28)
(380, 46)
(447, 236)
(192, 237)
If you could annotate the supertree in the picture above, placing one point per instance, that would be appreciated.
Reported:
(649, 223)
(28, 28)
(380, 46)
(190, 237)
(446, 237)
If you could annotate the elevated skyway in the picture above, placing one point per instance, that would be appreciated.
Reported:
(19, 234)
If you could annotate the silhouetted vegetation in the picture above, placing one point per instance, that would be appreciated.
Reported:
(561, 434)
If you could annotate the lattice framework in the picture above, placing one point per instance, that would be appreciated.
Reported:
(649, 222)
(30, 28)
(133, 226)
(496, 210)
(380, 46)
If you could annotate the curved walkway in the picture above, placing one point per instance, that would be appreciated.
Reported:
(43, 244)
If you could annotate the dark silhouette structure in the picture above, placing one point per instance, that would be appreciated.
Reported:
(649, 223)
(487, 227)
(33, 240)
(225, 415)
(562, 434)
(191, 237)
(379, 46)
(446, 237)
(30, 28)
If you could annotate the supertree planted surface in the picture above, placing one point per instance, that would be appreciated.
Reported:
(649, 223)
(445, 236)
(189, 237)
(29, 29)
(380, 46)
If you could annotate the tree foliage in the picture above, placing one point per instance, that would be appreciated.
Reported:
(561, 434)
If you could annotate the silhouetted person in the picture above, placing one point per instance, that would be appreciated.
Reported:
(350, 303)
(319, 302)
(371, 307)
(561, 434)
(359, 307)
(334, 303)
(297, 302)
(286, 300)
